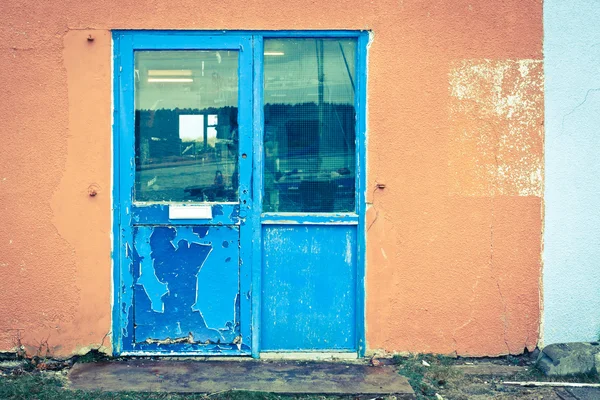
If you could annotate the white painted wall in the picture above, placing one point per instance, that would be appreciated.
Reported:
(571, 278)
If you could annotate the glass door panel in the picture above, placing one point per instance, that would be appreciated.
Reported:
(310, 119)
(186, 128)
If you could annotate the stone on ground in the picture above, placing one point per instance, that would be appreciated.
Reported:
(563, 359)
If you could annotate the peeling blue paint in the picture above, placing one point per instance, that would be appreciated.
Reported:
(158, 214)
(221, 280)
(235, 213)
(217, 210)
(201, 231)
(154, 288)
(199, 306)
(127, 293)
(310, 219)
(185, 234)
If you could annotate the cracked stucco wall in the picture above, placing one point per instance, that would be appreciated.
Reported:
(456, 136)
(453, 248)
(55, 238)
(572, 235)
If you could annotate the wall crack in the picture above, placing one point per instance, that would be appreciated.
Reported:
(587, 94)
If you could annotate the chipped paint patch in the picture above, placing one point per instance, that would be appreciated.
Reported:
(186, 235)
(349, 247)
(221, 281)
(187, 339)
(496, 127)
(185, 294)
(154, 288)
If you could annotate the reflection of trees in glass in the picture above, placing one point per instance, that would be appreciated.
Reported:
(203, 166)
(309, 132)
(157, 134)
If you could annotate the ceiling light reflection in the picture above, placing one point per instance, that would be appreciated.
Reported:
(170, 80)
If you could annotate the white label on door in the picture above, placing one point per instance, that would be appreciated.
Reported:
(190, 212)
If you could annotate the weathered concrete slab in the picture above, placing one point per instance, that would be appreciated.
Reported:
(216, 376)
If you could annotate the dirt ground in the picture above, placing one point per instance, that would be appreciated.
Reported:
(431, 377)
(436, 377)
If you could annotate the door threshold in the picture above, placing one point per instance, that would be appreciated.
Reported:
(309, 355)
(188, 354)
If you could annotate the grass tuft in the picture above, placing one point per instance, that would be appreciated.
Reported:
(426, 381)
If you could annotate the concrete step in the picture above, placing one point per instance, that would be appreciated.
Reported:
(280, 377)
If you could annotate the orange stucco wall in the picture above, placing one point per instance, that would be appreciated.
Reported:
(455, 111)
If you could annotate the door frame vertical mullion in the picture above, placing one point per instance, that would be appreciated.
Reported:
(123, 184)
(117, 339)
(245, 161)
(257, 191)
(361, 187)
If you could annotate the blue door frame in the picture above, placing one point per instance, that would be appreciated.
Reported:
(251, 219)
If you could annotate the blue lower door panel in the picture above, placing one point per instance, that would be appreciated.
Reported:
(186, 291)
(308, 288)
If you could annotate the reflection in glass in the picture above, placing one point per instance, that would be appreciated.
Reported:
(186, 139)
(309, 132)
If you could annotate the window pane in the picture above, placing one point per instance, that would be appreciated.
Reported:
(186, 142)
(309, 133)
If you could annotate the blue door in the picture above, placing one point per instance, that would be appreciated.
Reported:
(184, 169)
(311, 206)
(239, 192)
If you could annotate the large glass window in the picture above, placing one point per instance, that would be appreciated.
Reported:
(186, 130)
(309, 131)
